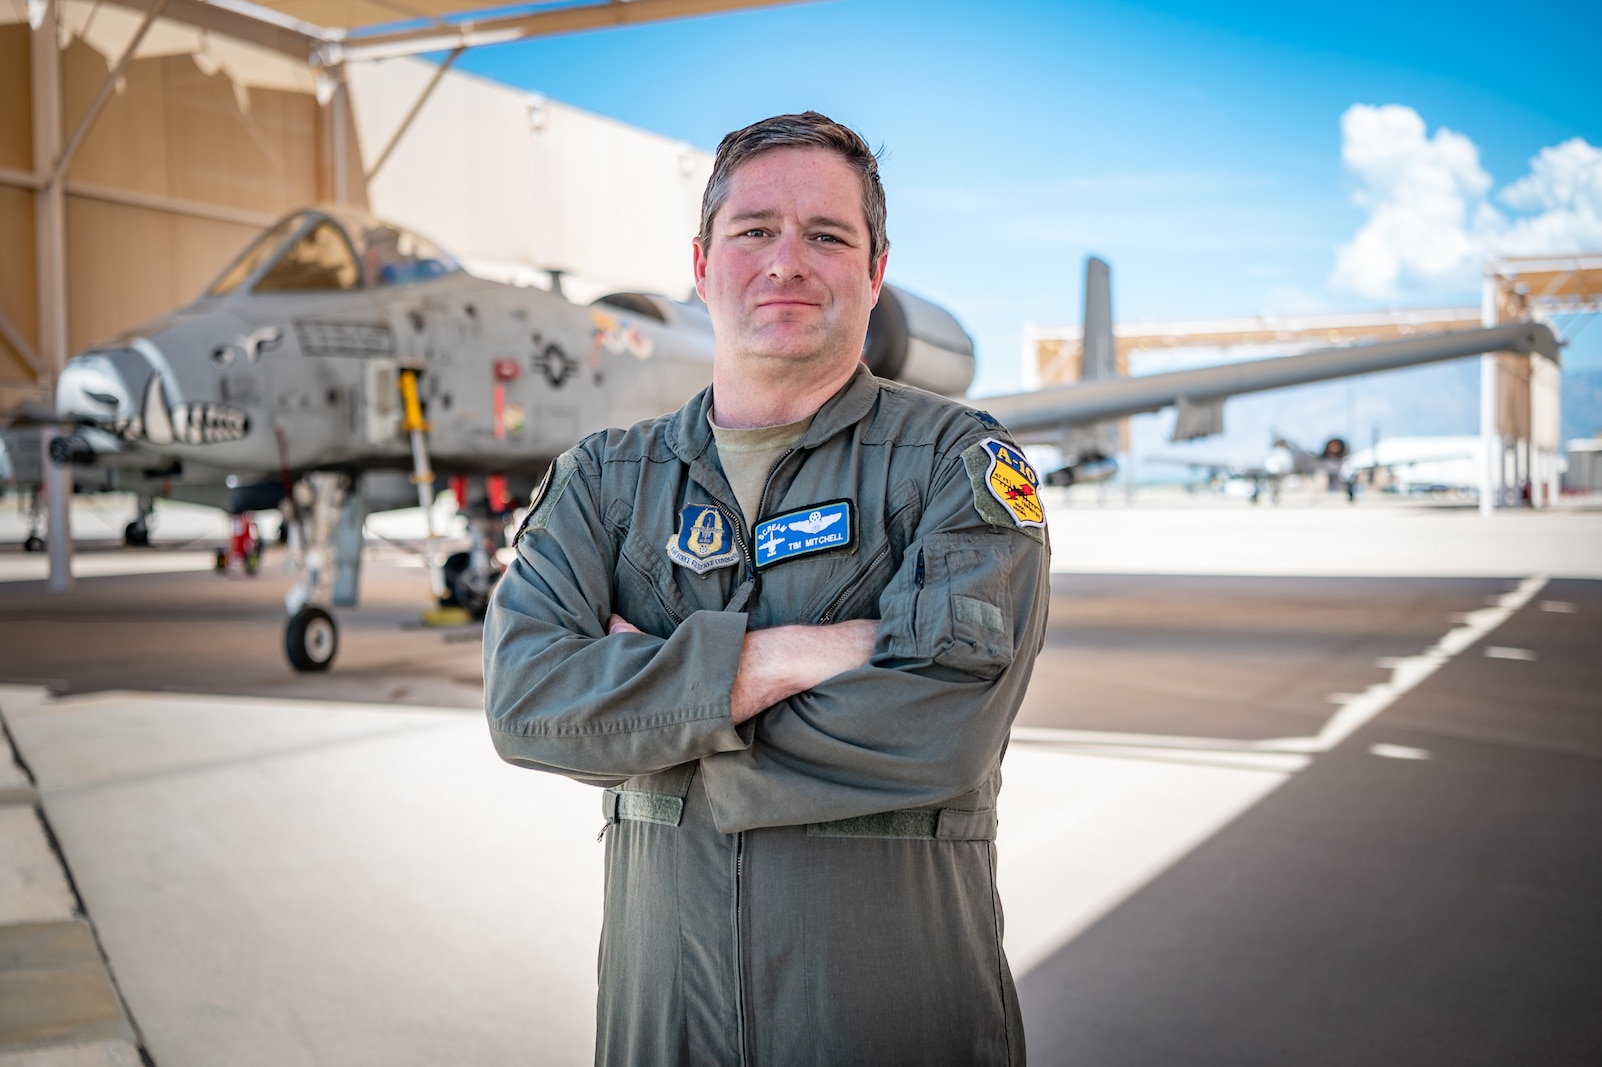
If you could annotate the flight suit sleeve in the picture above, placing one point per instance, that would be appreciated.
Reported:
(926, 721)
(560, 693)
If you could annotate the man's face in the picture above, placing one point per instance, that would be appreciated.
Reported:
(787, 276)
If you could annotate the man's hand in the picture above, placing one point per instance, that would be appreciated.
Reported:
(787, 660)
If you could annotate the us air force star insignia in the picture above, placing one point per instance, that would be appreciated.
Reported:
(817, 528)
(704, 541)
(1013, 482)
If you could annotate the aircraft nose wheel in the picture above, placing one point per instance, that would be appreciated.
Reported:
(311, 639)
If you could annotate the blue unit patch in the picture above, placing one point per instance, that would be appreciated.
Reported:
(705, 540)
(819, 528)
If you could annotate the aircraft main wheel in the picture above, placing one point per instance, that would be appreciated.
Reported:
(34, 543)
(136, 536)
(453, 568)
(311, 639)
(460, 588)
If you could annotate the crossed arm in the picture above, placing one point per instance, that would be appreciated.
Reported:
(780, 662)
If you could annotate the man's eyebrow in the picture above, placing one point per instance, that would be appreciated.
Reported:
(832, 223)
(768, 215)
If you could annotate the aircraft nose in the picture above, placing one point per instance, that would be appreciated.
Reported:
(94, 389)
(132, 393)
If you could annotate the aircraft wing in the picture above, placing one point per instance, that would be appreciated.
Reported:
(1200, 393)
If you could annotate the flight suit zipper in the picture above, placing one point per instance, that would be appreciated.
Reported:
(828, 616)
(917, 592)
(660, 599)
(747, 1055)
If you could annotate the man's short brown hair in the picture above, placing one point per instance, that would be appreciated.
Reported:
(806, 130)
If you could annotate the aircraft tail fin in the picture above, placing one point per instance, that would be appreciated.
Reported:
(1100, 358)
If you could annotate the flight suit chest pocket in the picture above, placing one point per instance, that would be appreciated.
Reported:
(962, 614)
(853, 589)
(647, 596)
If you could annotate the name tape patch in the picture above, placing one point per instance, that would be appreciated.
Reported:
(1013, 482)
(818, 528)
(704, 541)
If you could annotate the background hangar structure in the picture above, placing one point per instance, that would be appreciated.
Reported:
(142, 145)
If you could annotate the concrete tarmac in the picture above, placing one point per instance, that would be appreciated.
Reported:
(1247, 820)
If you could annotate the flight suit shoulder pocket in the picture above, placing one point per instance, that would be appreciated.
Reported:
(963, 617)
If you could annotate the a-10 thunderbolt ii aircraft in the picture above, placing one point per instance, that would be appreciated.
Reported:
(340, 364)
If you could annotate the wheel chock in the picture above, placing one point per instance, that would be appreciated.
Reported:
(447, 616)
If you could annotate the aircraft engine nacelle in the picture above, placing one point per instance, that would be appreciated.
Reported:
(922, 344)
(1085, 472)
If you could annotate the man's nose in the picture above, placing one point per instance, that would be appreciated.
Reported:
(789, 257)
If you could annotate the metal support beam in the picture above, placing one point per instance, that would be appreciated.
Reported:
(251, 23)
(1490, 441)
(106, 89)
(406, 123)
(20, 343)
(21, 179)
(50, 251)
(598, 14)
(339, 118)
(171, 205)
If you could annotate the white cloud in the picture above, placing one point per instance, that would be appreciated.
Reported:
(1430, 219)
(1564, 187)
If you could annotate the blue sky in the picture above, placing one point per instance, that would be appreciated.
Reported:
(1199, 150)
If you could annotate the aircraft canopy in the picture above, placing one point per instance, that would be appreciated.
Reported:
(332, 249)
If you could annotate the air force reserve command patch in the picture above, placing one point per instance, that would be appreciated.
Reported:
(1005, 487)
(704, 541)
(818, 528)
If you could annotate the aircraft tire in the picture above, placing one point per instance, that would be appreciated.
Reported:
(454, 567)
(311, 639)
(135, 536)
(34, 543)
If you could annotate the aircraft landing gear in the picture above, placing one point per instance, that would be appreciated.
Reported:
(33, 542)
(468, 578)
(467, 587)
(311, 639)
(137, 533)
(329, 513)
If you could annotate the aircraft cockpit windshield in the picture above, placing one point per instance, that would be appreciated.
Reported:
(319, 251)
(393, 256)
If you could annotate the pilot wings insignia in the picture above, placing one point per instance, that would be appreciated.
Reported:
(816, 522)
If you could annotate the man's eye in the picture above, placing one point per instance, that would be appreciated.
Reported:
(827, 238)
(756, 232)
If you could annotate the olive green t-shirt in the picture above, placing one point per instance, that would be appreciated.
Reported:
(748, 457)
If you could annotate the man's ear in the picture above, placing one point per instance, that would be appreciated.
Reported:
(878, 274)
(698, 260)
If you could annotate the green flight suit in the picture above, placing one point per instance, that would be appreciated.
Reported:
(816, 886)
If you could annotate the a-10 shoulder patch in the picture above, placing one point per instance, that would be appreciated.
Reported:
(1006, 487)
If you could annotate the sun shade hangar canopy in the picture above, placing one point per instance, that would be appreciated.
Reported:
(330, 32)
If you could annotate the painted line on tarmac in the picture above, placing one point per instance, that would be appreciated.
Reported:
(108, 565)
(1357, 709)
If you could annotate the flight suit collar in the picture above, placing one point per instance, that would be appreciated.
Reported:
(846, 408)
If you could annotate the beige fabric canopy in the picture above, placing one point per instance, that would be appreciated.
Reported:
(328, 32)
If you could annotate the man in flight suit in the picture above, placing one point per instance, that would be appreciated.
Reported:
(786, 628)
